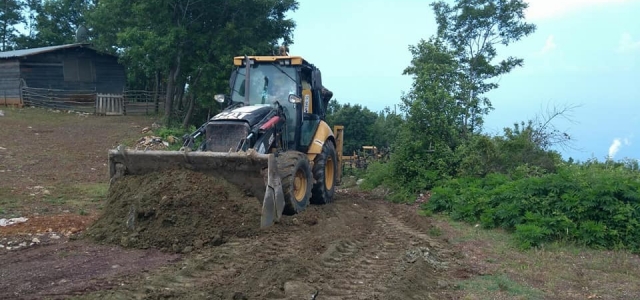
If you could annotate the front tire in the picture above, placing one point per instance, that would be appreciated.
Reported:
(297, 181)
(325, 168)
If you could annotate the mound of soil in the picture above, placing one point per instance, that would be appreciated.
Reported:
(175, 210)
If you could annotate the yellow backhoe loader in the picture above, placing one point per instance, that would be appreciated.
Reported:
(271, 139)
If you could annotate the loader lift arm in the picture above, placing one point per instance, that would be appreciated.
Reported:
(190, 139)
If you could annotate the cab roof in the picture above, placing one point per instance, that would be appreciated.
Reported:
(292, 60)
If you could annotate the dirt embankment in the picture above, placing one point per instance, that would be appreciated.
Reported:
(345, 250)
(354, 248)
(175, 210)
(350, 249)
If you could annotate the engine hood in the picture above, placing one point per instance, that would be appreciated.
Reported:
(251, 114)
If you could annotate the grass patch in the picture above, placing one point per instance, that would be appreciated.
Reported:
(129, 142)
(39, 116)
(83, 198)
(10, 203)
(486, 287)
(59, 200)
(555, 270)
(435, 231)
(94, 191)
(82, 192)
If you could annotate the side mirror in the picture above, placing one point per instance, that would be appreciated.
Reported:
(219, 98)
(293, 98)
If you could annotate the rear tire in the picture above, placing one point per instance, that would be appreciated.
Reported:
(297, 181)
(325, 168)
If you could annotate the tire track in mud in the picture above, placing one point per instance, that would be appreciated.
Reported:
(232, 261)
(358, 250)
(184, 279)
(222, 266)
(360, 269)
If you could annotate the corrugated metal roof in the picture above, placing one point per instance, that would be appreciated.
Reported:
(27, 52)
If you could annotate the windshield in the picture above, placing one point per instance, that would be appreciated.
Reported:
(269, 83)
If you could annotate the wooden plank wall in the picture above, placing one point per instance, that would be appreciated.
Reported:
(10, 83)
(47, 71)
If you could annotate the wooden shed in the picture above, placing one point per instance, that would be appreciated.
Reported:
(75, 71)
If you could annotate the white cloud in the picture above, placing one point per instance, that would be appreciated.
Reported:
(627, 44)
(548, 46)
(615, 146)
(546, 9)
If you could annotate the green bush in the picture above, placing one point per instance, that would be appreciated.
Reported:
(594, 204)
(177, 133)
(483, 154)
(165, 132)
(417, 165)
(377, 174)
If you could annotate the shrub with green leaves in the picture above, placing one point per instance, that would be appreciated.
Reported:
(177, 133)
(595, 204)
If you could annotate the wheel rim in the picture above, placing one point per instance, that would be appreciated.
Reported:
(328, 173)
(299, 186)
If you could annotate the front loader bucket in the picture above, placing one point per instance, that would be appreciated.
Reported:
(249, 170)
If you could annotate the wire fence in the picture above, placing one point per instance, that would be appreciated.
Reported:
(130, 102)
(76, 100)
(139, 102)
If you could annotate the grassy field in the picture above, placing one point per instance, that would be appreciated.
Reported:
(54, 162)
(553, 271)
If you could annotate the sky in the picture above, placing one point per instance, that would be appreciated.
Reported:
(584, 53)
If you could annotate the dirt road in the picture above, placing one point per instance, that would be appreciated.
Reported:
(352, 249)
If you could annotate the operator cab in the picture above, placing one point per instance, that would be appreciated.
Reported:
(288, 81)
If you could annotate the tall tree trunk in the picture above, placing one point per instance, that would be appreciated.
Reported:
(187, 116)
(192, 99)
(180, 95)
(4, 35)
(168, 101)
(156, 86)
(174, 72)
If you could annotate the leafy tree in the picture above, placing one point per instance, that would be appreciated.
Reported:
(333, 107)
(189, 41)
(54, 22)
(10, 16)
(363, 126)
(386, 128)
(423, 152)
(451, 72)
(472, 29)
(58, 21)
(29, 14)
(358, 124)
